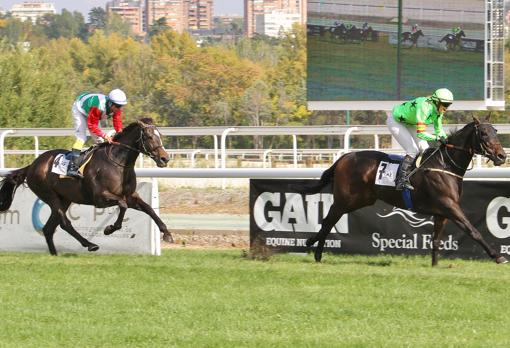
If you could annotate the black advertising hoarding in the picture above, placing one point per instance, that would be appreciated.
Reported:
(282, 218)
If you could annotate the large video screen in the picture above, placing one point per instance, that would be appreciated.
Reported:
(355, 54)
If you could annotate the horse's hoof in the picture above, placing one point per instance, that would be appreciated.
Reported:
(501, 259)
(109, 230)
(167, 237)
(318, 257)
(93, 247)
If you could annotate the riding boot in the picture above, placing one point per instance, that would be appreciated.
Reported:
(73, 169)
(403, 174)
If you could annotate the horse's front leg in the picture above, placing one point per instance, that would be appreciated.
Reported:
(117, 225)
(460, 219)
(136, 202)
(439, 223)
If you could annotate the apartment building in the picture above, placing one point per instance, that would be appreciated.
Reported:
(181, 14)
(130, 11)
(200, 14)
(31, 10)
(255, 10)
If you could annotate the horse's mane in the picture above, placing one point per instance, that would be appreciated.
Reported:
(132, 126)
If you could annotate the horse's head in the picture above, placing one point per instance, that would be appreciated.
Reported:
(150, 142)
(461, 33)
(143, 136)
(486, 141)
(419, 33)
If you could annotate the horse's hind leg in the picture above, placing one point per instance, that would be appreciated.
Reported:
(61, 208)
(49, 231)
(334, 214)
(439, 223)
(136, 202)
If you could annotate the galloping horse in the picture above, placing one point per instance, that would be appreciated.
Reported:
(109, 179)
(453, 41)
(413, 37)
(437, 183)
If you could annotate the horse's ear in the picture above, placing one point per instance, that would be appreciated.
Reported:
(488, 117)
(141, 123)
(477, 121)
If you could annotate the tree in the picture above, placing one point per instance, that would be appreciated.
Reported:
(160, 25)
(66, 25)
(116, 24)
(98, 18)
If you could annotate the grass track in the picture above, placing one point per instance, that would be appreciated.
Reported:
(367, 71)
(194, 298)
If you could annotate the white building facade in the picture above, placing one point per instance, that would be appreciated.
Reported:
(31, 10)
(276, 22)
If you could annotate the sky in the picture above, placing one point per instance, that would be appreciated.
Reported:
(84, 6)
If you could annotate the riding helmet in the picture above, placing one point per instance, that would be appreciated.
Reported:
(443, 95)
(118, 97)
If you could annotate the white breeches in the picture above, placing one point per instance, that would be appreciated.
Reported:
(406, 136)
(80, 129)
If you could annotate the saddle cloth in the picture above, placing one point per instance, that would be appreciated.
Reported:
(61, 162)
(387, 174)
(387, 170)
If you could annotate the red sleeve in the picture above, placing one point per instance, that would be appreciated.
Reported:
(117, 121)
(93, 122)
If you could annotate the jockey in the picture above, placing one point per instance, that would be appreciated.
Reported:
(456, 30)
(88, 109)
(414, 28)
(408, 122)
(365, 26)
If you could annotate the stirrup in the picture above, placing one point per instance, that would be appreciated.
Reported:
(74, 172)
(405, 184)
(402, 184)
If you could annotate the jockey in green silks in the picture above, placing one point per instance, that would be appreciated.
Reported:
(408, 124)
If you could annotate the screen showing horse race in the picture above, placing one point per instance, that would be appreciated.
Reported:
(358, 60)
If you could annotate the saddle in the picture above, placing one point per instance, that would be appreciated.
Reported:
(387, 172)
(84, 157)
(62, 161)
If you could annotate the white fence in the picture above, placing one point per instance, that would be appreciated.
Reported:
(276, 173)
(221, 134)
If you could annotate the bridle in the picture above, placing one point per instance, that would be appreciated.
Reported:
(141, 139)
(479, 149)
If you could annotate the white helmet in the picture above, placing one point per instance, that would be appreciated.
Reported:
(443, 95)
(118, 97)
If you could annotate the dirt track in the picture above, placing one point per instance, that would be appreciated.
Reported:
(194, 201)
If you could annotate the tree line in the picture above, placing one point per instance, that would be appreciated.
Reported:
(246, 82)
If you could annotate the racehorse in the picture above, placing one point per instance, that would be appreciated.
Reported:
(453, 41)
(413, 37)
(437, 184)
(359, 34)
(109, 179)
(339, 32)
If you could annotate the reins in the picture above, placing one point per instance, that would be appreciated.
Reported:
(471, 151)
(142, 142)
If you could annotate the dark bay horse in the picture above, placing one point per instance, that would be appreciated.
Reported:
(453, 41)
(109, 179)
(437, 183)
(413, 37)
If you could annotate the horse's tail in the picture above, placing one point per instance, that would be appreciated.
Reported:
(9, 185)
(326, 178)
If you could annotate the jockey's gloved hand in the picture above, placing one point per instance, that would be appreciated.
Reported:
(442, 140)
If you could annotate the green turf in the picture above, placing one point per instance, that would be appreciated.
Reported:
(188, 298)
(367, 71)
